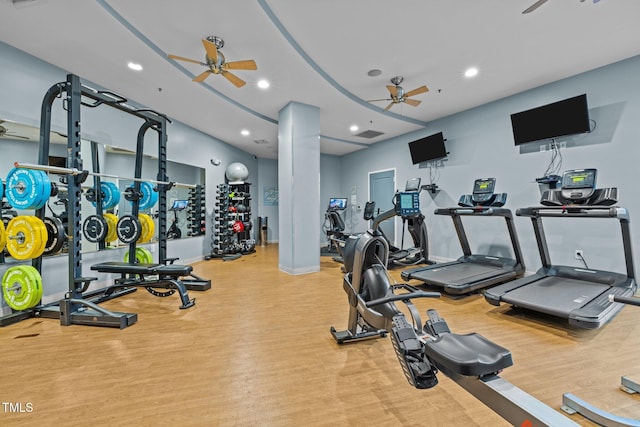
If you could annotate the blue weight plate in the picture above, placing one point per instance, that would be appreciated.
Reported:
(1, 190)
(45, 189)
(112, 195)
(149, 196)
(23, 188)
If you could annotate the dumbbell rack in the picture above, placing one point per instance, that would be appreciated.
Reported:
(232, 206)
(197, 211)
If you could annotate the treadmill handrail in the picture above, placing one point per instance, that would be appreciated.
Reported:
(478, 210)
(401, 297)
(576, 211)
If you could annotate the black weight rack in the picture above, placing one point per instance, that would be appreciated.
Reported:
(231, 221)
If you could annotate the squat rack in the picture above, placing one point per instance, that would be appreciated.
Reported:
(74, 308)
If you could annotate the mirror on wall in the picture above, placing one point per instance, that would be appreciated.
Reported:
(21, 143)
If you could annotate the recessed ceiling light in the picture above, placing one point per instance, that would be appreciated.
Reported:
(134, 66)
(471, 72)
(374, 72)
(263, 84)
(244, 132)
(354, 128)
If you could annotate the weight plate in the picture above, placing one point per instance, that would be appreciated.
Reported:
(143, 256)
(110, 195)
(25, 237)
(20, 287)
(55, 235)
(1, 190)
(3, 236)
(112, 223)
(128, 229)
(41, 229)
(33, 274)
(94, 228)
(148, 228)
(149, 197)
(24, 189)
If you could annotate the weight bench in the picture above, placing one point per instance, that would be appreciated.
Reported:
(193, 283)
(168, 277)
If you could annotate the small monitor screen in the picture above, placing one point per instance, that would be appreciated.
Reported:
(406, 201)
(413, 184)
(484, 186)
(179, 205)
(337, 203)
(579, 179)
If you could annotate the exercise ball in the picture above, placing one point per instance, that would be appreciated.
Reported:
(237, 172)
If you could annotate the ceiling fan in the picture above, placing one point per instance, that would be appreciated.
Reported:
(216, 63)
(539, 3)
(6, 133)
(398, 95)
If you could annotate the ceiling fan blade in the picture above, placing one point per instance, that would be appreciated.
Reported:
(211, 49)
(393, 90)
(17, 136)
(421, 89)
(412, 102)
(233, 78)
(200, 77)
(248, 64)
(181, 58)
(534, 6)
(389, 106)
(383, 99)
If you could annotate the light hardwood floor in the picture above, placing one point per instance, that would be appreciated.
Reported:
(256, 351)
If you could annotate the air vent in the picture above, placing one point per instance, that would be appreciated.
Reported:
(260, 141)
(369, 134)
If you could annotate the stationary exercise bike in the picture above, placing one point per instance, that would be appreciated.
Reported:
(470, 360)
(174, 231)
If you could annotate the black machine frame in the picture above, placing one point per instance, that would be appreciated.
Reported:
(559, 280)
(472, 272)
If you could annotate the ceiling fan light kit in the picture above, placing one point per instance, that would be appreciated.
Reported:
(216, 63)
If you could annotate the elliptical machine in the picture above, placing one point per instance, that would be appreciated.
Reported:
(470, 360)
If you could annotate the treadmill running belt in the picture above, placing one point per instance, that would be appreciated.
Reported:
(463, 273)
(555, 295)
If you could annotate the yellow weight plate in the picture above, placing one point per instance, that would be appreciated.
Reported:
(3, 236)
(112, 223)
(41, 227)
(148, 228)
(24, 237)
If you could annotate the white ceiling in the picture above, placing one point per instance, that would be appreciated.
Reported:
(319, 53)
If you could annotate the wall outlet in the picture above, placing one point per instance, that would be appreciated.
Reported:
(578, 254)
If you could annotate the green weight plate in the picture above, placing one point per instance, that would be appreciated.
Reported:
(95, 228)
(20, 288)
(128, 229)
(146, 255)
(34, 275)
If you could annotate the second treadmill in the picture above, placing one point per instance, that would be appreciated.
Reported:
(580, 295)
(474, 271)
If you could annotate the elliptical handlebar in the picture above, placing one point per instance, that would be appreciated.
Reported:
(401, 297)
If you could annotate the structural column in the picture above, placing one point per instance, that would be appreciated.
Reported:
(299, 188)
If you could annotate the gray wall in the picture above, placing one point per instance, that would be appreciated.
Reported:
(480, 143)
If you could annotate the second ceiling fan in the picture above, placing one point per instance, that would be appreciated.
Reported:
(399, 96)
(217, 64)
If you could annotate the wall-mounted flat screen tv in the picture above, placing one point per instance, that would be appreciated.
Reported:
(567, 117)
(428, 148)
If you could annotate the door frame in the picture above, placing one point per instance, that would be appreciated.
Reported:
(394, 186)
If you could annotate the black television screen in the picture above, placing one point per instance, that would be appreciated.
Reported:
(567, 117)
(428, 148)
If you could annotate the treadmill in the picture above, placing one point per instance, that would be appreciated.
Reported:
(580, 295)
(474, 271)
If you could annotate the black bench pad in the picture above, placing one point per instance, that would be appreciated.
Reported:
(469, 355)
(172, 270)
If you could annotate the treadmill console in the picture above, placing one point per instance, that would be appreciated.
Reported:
(579, 188)
(578, 184)
(483, 194)
(407, 204)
